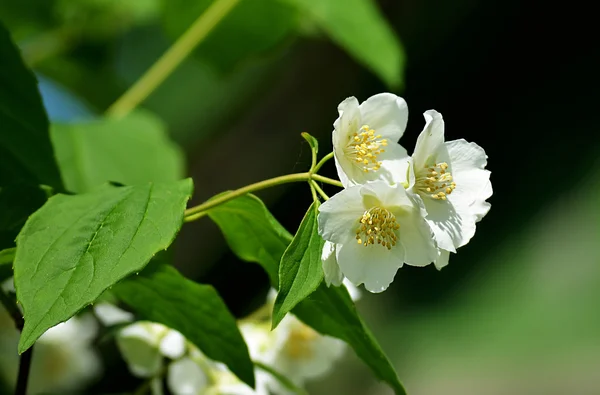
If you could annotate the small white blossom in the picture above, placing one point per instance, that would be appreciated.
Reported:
(143, 344)
(372, 230)
(452, 183)
(365, 139)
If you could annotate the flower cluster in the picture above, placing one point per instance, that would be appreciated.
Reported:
(293, 350)
(396, 208)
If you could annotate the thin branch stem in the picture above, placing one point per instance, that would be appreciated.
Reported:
(322, 162)
(313, 191)
(12, 309)
(194, 212)
(319, 190)
(24, 368)
(327, 180)
(165, 65)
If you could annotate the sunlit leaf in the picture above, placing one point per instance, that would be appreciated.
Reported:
(300, 270)
(131, 150)
(252, 232)
(75, 247)
(359, 27)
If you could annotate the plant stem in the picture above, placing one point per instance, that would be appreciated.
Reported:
(322, 162)
(165, 65)
(12, 309)
(25, 360)
(24, 368)
(194, 212)
(313, 191)
(319, 190)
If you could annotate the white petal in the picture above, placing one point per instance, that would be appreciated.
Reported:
(109, 314)
(137, 346)
(373, 265)
(442, 259)
(353, 290)
(467, 161)
(185, 377)
(394, 163)
(430, 139)
(380, 193)
(387, 114)
(331, 270)
(345, 126)
(416, 237)
(339, 216)
(480, 207)
(172, 344)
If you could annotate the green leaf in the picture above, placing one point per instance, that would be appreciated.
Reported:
(254, 235)
(330, 311)
(312, 141)
(252, 232)
(75, 247)
(359, 27)
(131, 150)
(251, 27)
(25, 146)
(17, 203)
(300, 270)
(161, 294)
(6, 259)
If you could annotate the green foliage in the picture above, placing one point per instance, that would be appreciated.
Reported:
(17, 202)
(161, 294)
(330, 311)
(25, 147)
(251, 27)
(360, 28)
(75, 247)
(254, 235)
(252, 232)
(300, 271)
(131, 150)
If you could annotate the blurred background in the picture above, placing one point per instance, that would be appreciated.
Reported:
(516, 311)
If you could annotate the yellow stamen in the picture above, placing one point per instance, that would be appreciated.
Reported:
(364, 147)
(435, 181)
(382, 228)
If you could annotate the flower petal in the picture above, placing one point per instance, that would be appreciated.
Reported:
(109, 314)
(137, 345)
(172, 345)
(347, 123)
(373, 265)
(480, 207)
(185, 377)
(338, 217)
(331, 270)
(387, 114)
(416, 237)
(380, 193)
(394, 163)
(442, 259)
(430, 139)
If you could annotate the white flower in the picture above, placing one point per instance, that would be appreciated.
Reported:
(64, 360)
(451, 179)
(372, 229)
(144, 344)
(196, 374)
(301, 353)
(365, 137)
